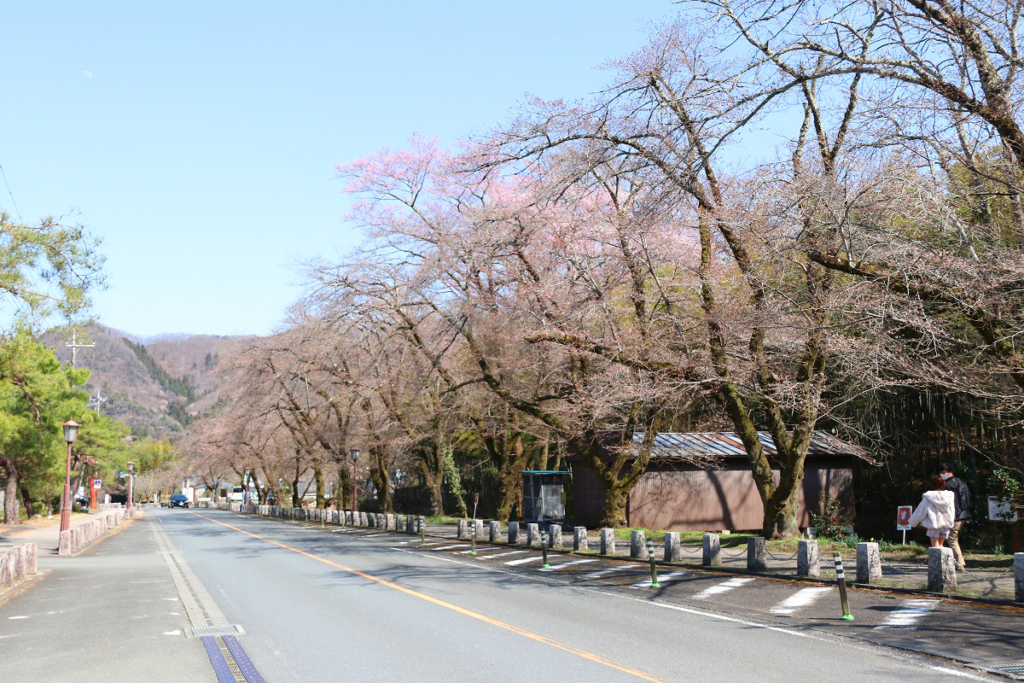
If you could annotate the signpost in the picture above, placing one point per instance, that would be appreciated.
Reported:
(96, 484)
(903, 513)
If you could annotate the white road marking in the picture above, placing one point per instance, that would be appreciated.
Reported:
(723, 587)
(172, 633)
(171, 599)
(478, 550)
(802, 598)
(515, 563)
(604, 572)
(961, 674)
(510, 552)
(452, 547)
(18, 617)
(906, 617)
(566, 564)
(372, 535)
(661, 579)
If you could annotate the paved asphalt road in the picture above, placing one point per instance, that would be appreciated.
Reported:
(335, 606)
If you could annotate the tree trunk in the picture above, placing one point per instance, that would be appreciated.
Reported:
(510, 493)
(318, 474)
(26, 498)
(615, 497)
(382, 481)
(11, 492)
(343, 493)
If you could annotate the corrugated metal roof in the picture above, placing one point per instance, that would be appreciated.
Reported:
(705, 445)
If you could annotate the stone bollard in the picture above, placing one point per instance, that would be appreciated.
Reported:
(399, 522)
(1018, 577)
(462, 529)
(941, 569)
(494, 532)
(64, 543)
(410, 524)
(6, 569)
(555, 536)
(513, 533)
(711, 555)
(390, 523)
(381, 521)
(532, 535)
(637, 545)
(478, 528)
(607, 541)
(109, 520)
(18, 554)
(869, 563)
(757, 554)
(673, 550)
(579, 539)
(31, 558)
(807, 558)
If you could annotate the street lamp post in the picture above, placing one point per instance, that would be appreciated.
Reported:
(355, 492)
(131, 484)
(70, 432)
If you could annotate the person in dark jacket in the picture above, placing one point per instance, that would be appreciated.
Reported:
(964, 508)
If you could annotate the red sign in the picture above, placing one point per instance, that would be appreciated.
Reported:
(903, 513)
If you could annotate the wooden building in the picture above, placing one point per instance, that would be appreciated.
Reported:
(702, 481)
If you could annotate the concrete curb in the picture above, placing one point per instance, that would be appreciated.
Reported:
(24, 585)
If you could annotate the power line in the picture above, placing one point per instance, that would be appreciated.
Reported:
(16, 209)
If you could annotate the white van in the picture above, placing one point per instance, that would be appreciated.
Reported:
(237, 495)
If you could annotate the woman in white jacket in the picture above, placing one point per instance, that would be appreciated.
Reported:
(936, 513)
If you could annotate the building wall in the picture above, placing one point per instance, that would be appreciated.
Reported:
(685, 498)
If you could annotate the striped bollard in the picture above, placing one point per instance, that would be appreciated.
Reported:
(654, 567)
(841, 580)
(544, 548)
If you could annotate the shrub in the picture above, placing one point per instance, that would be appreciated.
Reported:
(833, 519)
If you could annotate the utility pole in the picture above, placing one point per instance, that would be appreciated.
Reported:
(98, 400)
(74, 346)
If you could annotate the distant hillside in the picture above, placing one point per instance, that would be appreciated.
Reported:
(156, 387)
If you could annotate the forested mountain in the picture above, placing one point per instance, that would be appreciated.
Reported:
(155, 385)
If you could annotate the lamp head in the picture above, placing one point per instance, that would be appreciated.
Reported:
(354, 453)
(70, 431)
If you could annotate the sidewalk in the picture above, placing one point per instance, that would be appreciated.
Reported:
(45, 533)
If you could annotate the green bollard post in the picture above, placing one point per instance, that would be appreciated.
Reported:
(544, 548)
(841, 580)
(423, 531)
(473, 539)
(654, 567)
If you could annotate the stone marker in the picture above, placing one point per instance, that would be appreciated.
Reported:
(363, 520)
(381, 521)
(673, 550)
(532, 535)
(757, 554)
(19, 562)
(941, 570)
(462, 529)
(607, 541)
(1018, 577)
(390, 523)
(869, 563)
(513, 533)
(494, 532)
(555, 536)
(579, 539)
(31, 558)
(410, 524)
(637, 544)
(6, 570)
(64, 543)
(478, 528)
(807, 558)
(711, 555)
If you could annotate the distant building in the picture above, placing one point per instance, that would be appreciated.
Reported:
(702, 481)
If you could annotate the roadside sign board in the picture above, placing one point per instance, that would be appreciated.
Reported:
(1000, 510)
(903, 513)
(97, 483)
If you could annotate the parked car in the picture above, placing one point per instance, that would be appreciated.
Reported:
(179, 500)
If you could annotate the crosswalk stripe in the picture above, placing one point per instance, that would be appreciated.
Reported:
(514, 563)
(661, 579)
(566, 564)
(452, 547)
(723, 587)
(479, 550)
(510, 552)
(909, 613)
(605, 572)
(802, 598)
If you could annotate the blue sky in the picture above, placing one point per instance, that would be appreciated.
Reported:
(199, 139)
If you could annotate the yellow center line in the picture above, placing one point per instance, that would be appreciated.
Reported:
(455, 608)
